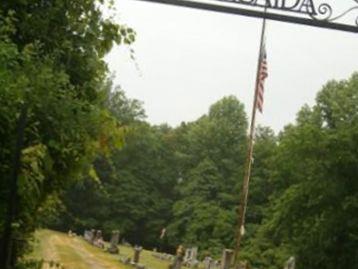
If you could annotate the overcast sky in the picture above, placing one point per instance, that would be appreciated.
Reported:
(188, 59)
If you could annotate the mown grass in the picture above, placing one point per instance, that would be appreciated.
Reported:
(72, 252)
(76, 253)
(146, 258)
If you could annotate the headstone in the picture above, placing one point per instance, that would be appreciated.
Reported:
(113, 248)
(193, 253)
(190, 257)
(87, 235)
(207, 262)
(177, 262)
(290, 264)
(98, 240)
(187, 254)
(93, 236)
(226, 258)
(136, 255)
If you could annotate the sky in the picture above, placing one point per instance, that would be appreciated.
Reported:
(188, 59)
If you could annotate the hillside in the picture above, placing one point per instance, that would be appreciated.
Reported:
(76, 253)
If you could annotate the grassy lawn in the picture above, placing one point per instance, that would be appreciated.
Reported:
(76, 253)
(146, 258)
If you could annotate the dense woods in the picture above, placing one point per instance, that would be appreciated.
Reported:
(53, 107)
(77, 153)
(187, 179)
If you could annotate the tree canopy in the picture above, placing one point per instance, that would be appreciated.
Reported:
(188, 179)
(312, 211)
(53, 82)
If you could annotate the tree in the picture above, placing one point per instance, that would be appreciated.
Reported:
(53, 83)
(135, 192)
(205, 213)
(313, 207)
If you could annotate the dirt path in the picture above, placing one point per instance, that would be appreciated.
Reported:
(74, 253)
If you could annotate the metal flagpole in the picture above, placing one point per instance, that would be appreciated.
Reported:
(245, 186)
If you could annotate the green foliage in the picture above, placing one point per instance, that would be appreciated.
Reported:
(143, 166)
(124, 109)
(185, 179)
(52, 68)
(90, 161)
(313, 209)
(204, 214)
(302, 199)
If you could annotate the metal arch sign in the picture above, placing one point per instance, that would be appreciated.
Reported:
(306, 12)
(298, 6)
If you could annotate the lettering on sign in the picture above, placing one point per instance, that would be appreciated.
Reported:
(300, 6)
(317, 13)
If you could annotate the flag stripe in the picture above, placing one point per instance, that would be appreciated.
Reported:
(263, 74)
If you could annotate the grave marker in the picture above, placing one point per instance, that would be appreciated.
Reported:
(177, 262)
(226, 258)
(137, 251)
(208, 262)
(113, 248)
(98, 240)
(290, 264)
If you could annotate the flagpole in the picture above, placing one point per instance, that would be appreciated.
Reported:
(248, 162)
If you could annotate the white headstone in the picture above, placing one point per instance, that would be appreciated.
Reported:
(226, 258)
(290, 264)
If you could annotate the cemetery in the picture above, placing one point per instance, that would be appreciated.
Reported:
(124, 256)
(178, 134)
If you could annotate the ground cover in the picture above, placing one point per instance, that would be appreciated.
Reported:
(76, 253)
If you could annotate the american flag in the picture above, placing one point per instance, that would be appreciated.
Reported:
(162, 233)
(261, 79)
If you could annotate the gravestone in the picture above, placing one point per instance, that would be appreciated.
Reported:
(290, 264)
(136, 255)
(190, 257)
(98, 240)
(177, 262)
(193, 253)
(208, 262)
(187, 254)
(226, 258)
(93, 236)
(87, 235)
(113, 248)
